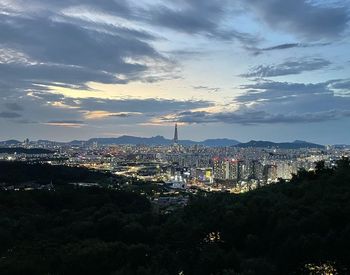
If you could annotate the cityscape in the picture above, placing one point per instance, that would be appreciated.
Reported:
(234, 168)
(188, 137)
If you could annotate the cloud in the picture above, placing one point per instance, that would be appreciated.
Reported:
(267, 91)
(10, 115)
(203, 17)
(272, 102)
(144, 106)
(117, 7)
(24, 75)
(282, 46)
(25, 121)
(56, 109)
(66, 123)
(307, 20)
(255, 117)
(340, 84)
(46, 50)
(288, 97)
(286, 46)
(96, 115)
(70, 43)
(207, 88)
(13, 106)
(287, 68)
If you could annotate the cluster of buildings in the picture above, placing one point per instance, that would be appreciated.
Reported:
(183, 167)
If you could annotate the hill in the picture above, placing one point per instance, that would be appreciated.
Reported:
(301, 227)
(21, 172)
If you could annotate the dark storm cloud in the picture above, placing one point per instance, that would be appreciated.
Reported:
(288, 67)
(308, 20)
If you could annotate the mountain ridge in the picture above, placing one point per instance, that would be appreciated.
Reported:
(134, 140)
(161, 140)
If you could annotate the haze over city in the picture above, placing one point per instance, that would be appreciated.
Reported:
(268, 70)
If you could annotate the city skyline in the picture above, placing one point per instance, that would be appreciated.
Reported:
(175, 140)
(272, 70)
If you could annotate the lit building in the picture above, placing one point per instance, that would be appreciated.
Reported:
(270, 172)
(226, 169)
(204, 175)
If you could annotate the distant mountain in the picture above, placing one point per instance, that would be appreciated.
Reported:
(220, 142)
(298, 144)
(133, 140)
(160, 140)
(157, 140)
(300, 141)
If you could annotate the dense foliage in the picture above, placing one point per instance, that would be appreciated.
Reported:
(277, 229)
(19, 172)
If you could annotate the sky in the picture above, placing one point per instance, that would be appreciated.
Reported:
(274, 70)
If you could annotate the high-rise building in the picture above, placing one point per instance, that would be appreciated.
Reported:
(270, 172)
(26, 142)
(256, 170)
(219, 168)
(226, 169)
(176, 137)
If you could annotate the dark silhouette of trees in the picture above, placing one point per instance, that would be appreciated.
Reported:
(287, 228)
(20, 172)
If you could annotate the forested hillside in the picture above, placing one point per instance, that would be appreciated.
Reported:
(287, 228)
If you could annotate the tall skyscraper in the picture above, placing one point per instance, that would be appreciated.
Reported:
(176, 137)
